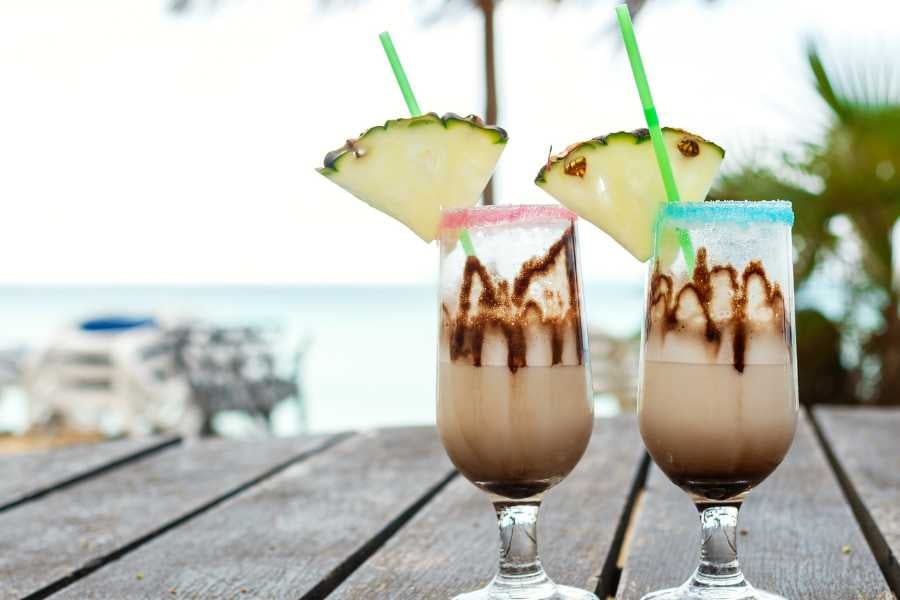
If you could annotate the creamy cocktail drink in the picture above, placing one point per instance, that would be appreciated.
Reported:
(514, 408)
(512, 390)
(718, 404)
(717, 391)
(717, 398)
(514, 434)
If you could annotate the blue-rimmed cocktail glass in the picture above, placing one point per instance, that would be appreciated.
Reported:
(717, 399)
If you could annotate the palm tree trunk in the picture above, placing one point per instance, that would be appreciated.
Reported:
(888, 346)
(490, 113)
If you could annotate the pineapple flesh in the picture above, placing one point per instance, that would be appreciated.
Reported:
(614, 182)
(412, 168)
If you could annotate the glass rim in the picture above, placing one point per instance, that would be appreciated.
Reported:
(504, 214)
(728, 211)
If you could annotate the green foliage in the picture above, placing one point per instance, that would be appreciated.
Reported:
(822, 378)
(846, 195)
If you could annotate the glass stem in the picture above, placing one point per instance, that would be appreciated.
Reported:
(519, 559)
(718, 547)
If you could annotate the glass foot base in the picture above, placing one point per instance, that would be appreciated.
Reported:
(693, 592)
(544, 592)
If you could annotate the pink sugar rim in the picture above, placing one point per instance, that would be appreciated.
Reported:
(480, 216)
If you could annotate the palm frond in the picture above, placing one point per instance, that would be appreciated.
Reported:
(813, 240)
(865, 87)
(823, 82)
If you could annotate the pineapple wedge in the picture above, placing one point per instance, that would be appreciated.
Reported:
(412, 168)
(614, 182)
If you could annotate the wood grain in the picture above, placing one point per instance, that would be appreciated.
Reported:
(73, 531)
(25, 477)
(295, 536)
(451, 546)
(800, 538)
(864, 443)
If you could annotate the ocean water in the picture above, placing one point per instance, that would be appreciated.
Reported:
(370, 351)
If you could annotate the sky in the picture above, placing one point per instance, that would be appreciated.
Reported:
(138, 147)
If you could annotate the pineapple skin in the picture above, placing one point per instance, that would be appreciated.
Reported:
(412, 168)
(636, 136)
(333, 158)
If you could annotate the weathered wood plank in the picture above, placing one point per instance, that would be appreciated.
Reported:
(25, 477)
(291, 537)
(66, 534)
(451, 546)
(864, 444)
(799, 536)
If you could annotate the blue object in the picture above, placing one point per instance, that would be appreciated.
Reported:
(113, 324)
(729, 211)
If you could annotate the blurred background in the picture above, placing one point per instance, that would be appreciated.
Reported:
(174, 263)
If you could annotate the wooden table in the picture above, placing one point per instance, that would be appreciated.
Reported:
(382, 514)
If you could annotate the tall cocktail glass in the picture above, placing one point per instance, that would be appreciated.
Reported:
(717, 399)
(514, 408)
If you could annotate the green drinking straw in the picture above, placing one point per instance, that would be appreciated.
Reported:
(414, 110)
(399, 73)
(656, 137)
(466, 242)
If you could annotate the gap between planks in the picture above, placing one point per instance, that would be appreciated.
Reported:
(101, 561)
(877, 544)
(336, 577)
(91, 473)
(612, 568)
(607, 577)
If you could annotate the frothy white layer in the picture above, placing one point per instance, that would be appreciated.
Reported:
(503, 251)
(546, 300)
(538, 346)
(721, 307)
(763, 347)
(766, 342)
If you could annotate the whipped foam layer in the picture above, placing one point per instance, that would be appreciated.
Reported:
(529, 319)
(720, 316)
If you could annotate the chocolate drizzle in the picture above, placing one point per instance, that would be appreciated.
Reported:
(661, 292)
(499, 310)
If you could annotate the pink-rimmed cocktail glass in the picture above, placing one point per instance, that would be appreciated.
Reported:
(514, 408)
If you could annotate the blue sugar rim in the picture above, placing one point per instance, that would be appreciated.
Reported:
(728, 211)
